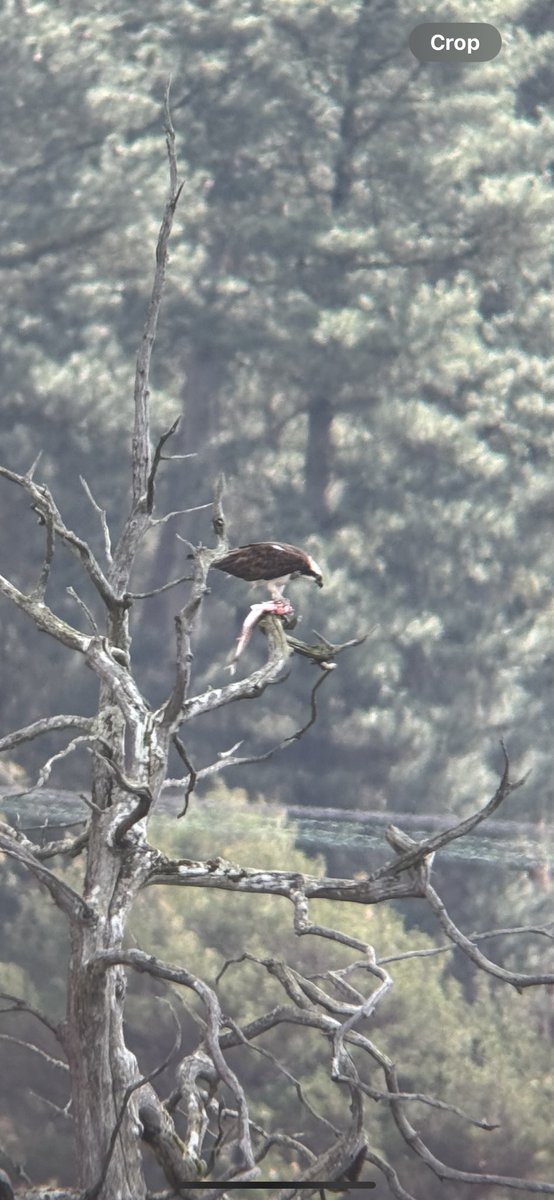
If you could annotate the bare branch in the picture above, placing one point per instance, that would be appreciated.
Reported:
(390, 1176)
(396, 1098)
(290, 980)
(303, 1099)
(53, 1062)
(21, 850)
(335, 1163)
(40, 589)
(65, 1115)
(188, 1072)
(295, 737)
(432, 1102)
(46, 725)
(156, 462)
(30, 474)
(103, 520)
(84, 608)
(542, 930)
(517, 979)
(95, 808)
(131, 758)
(18, 1004)
(69, 847)
(43, 503)
(417, 1145)
(277, 1139)
(141, 790)
(184, 621)
(323, 653)
(92, 1192)
(184, 624)
(303, 926)
(138, 518)
(218, 516)
(243, 689)
(230, 760)
(46, 770)
(421, 850)
(44, 618)
(161, 970)
(179, 512)
(181, 458)
(158, 1131)
(430, 952)
(107, 663)
(228, 876)
(164, 587)
(192, 776)
(444, 1172)
(219, 873)
(128, 785)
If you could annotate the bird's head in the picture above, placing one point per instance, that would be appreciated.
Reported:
(314, 571)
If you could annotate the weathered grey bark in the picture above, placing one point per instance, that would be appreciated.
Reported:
(101, 1066)
(130, 757)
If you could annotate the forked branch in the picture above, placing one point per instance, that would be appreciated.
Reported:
(138, 518)
(419, 851)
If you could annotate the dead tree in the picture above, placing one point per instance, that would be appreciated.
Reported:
(117, 1111)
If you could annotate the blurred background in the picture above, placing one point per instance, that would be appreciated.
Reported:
(356, 329)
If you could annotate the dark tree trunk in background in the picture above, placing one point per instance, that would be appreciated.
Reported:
(206, 371)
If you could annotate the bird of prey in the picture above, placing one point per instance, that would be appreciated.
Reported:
(272, 563)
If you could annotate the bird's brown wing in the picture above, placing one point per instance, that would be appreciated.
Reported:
(261, 560)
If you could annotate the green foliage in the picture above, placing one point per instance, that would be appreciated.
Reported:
(482, 1050)
(485, 1054)
(357, 326)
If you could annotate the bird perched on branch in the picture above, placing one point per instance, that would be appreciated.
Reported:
(272, 563)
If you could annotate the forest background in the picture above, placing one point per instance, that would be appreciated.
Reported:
(357, 330)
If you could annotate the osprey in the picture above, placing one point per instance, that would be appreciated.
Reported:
(273, 563)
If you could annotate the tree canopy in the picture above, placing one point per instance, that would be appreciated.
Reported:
(357, 333)
(356, 329)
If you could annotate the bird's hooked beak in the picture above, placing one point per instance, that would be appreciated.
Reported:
(315, 571)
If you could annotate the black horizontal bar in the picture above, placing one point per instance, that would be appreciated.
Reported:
(330, 1184)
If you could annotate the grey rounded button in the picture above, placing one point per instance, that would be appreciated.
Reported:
(455, 41)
